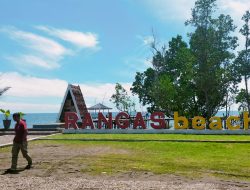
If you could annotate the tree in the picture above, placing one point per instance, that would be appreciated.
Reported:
(166, 86)
(243, 62)
(3, 90)
(212, 46)
(194, 79)
(241, 98)
(122, 100)
(143, 87)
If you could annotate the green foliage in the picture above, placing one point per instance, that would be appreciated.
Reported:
(245, 30)
(21, 115)
(122, 100)
(143, 87)
(196, 79)
(211, 43)
(242, 63)
(6, 113)
(241, 99)
(166, 86)
(202, 13)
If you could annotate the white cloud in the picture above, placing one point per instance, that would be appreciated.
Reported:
(37, 89)
(101, 91)
(180, 10)
(39, 51)
(147, 40)
(236, 8)
(29, 108)
(31, 60)
(80, 39)
(39, 44)
(26, 87)
(44, 52)
(169, 10)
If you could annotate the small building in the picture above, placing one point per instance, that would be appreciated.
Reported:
(100, 107)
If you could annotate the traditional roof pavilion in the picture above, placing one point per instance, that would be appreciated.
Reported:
(73, 101)
(99, 107)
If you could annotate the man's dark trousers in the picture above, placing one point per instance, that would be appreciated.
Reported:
(23, 146)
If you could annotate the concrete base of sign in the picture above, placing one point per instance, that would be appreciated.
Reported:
(48, 126)
(154, 131)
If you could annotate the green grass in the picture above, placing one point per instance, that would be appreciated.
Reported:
(4, 149)
(185, 158)
(152, 137)
(193, 159)
(190, 159)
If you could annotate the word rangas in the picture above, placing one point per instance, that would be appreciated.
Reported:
(122, 121)
(156, 120)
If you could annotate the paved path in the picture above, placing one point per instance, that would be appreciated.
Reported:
(6, 140)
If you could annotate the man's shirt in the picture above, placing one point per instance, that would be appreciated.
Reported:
(21, 132)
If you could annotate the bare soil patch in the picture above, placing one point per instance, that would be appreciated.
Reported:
(58, 166)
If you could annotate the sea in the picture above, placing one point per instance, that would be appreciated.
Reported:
(34, 118)
(46, 118)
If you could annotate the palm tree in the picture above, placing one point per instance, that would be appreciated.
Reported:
(3, 90)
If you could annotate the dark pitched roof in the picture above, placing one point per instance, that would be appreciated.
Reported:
(73, 102)
(76, 90)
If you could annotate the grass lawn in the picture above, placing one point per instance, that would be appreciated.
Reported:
(189, 159)
(193, 159)
(152, 137)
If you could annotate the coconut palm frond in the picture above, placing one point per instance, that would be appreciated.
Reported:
(4, 90)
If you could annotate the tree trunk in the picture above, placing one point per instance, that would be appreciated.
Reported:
(247, 95)
(227, 105)
(245, 77)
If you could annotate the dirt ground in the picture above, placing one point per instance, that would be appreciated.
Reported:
(53, 168)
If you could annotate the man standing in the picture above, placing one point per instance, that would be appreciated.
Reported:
(20, 142)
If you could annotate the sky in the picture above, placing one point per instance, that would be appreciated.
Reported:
(45, 45)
